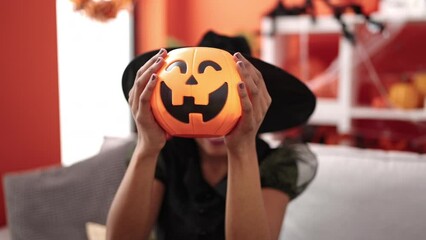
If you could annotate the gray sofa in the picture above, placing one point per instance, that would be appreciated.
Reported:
(357, 194)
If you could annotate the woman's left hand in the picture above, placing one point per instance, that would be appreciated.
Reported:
(255, 101)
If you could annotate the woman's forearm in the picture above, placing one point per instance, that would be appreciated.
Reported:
(129, 216)
(245, 212)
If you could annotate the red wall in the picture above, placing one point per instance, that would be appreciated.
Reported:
(29, 103)
(188, 20)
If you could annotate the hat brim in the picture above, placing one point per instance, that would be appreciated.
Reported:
(292, 101)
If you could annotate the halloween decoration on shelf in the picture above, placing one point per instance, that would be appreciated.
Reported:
(337, 9)
(419, 81)
(405, 95)
(197, 95)
(101, 10)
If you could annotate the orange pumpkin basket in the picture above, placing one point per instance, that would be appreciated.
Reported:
(197, 95)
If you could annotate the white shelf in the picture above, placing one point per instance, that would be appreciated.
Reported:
(325, 112)
(414, 115)
(304, 24)
(328, 112)
(326, 24)
(339, 111)
(399, 17)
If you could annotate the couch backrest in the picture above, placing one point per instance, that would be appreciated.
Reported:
(361, 194)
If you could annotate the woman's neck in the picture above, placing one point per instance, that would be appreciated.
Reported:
(213, 168)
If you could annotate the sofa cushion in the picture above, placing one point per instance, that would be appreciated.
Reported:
(56, 203)
(361, 194)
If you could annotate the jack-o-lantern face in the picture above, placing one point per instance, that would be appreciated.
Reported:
(196, 94)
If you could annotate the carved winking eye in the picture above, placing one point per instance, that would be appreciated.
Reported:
(203, 65)
(180, 64)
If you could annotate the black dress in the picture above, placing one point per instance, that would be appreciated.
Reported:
(192, 209)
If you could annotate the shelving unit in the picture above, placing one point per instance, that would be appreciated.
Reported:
(341, 110)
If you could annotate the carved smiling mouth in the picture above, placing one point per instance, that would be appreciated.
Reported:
(217, 100)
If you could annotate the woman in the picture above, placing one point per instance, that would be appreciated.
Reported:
(234, 187)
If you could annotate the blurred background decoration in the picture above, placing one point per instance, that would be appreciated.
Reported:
(336, 8)
(102, 10)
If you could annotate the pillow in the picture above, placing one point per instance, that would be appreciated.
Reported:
(95, 231)
(111, 142)
(4, 233)
(56, 203)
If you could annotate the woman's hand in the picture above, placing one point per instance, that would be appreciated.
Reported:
(139, 195)
(255, 101)
(151, 137)
(244, 200)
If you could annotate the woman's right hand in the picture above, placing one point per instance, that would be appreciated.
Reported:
(151, 137)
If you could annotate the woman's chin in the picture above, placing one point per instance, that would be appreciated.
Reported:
(213, 146)
(217, 141)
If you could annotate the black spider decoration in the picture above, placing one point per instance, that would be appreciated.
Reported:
(309, 8)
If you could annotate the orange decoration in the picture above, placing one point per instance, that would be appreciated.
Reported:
(386, 143)
(379, 102)
(101, 10)
(197, 95)
(404, 95)
(419, 81)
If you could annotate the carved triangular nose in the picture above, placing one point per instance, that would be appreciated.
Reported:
(191, 81)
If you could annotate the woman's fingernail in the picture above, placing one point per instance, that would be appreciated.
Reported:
(241, 85)
(241, 64)
(158, 60)
(161, 51)
(153, 77)
(238, 55)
